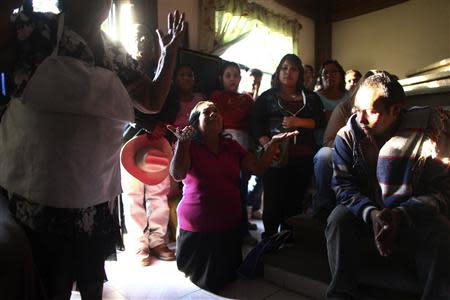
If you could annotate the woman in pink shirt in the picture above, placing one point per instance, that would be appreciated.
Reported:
(209, 214)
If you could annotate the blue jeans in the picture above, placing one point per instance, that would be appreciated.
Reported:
(323, 172)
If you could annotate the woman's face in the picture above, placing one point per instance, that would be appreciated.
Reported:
(331, 77)
(231, 78)
(308, 75)
(210, 120)
(185, 79)
(289, 74)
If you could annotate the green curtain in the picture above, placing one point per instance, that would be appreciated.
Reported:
(224, 22)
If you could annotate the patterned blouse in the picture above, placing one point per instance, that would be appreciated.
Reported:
(36, 34)
(36, 39)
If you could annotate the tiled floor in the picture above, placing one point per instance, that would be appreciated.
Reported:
(162, 280)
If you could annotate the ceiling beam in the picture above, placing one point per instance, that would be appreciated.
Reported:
(307, 8)
(345, 9)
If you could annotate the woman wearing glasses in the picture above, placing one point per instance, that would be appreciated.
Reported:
(287, 106)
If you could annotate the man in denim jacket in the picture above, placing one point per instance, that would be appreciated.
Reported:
(392, 185)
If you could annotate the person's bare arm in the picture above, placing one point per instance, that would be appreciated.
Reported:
(295, 122)
(181, 161)
(149, 94)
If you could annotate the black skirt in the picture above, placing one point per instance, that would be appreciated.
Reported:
(209, 259)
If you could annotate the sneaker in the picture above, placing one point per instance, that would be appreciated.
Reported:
(162, 252)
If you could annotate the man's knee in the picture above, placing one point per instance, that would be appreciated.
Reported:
(341, 218)
(323, 156)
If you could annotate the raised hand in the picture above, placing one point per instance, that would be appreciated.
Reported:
(182, 135)
(273, 145)
(283, 136)
(175, 29)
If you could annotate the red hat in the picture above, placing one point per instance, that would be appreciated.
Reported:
(147, 159)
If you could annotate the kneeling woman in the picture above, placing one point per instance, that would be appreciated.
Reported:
(209, 242)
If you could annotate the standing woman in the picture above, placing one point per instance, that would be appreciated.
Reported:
(61, 134)
(332, 90)
(287, 106)
(184, 94)
(235, 109)
(209, 214)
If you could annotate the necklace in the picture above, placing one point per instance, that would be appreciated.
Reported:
(291, 113)
(280, 105)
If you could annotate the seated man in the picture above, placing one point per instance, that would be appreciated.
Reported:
(325, 200)
(392, 183)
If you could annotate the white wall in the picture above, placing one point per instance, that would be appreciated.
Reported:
(399, 39)
(191, 10)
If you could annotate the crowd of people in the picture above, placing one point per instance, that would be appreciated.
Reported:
(85, 119)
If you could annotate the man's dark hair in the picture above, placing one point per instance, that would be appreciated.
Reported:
(391, 91)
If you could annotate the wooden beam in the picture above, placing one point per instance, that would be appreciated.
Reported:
(146, 13)
(345, 9)
(322, 33)
(307, 8)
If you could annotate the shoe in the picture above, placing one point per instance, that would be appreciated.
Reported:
(252, 226)
(147, 261)
(162, 252)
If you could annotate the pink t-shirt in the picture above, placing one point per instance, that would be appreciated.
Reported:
(182, 118)
(211, 196)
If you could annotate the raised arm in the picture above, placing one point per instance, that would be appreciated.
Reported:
(149, 94)
(181, 161)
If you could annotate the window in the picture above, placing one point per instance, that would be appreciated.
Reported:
(45, 6)
(261, 48)
(119, 26)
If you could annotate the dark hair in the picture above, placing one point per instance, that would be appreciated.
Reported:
(391, 91)
(194, 118)
(223, 67)
(340, 70)
(294, 59)
(357, 73)
(171, 106)
(256, 73)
